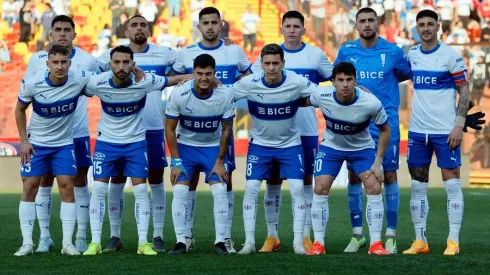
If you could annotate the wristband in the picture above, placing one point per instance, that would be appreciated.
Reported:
(177, 163)
(460, 121)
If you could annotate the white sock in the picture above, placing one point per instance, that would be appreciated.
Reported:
(142, 212)
(97, 209)
(43, 209)
(419, 208)
(229, 221)
(374, 216)
(82, 201)
(191, 209)
(68, 216)
(27, 216)
(116, 208)
(309, 200)
(455, 207)
(180, 211)
(319, 217)
(220, 209)
(272, 206)
(158, 201)
(298, 202)
(252, 189)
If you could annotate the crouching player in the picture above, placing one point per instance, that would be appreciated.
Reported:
(348, 111)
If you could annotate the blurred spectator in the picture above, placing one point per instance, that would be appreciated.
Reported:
(225, 29)
(195, 7)
(61, 7)
(484, 8)
(96, 51)
(4, 52)
(318, 13)
(389, 7)
(445, 9)
(474, 31)
(479, 74)
(459, 35)
(251, 24)
(104, 37)
(377, 6)
(306, 8)
(392, 30)
(25, 19)
(403, 42)
(173, 9)
(121, 30)
(45, 21)
(165, 39)
(131, 7)
(401, 10)
(342, 26)
(148, 10)
(10, 12)
(485, 33)
(464, 10)
(117, 7)
(160, 7)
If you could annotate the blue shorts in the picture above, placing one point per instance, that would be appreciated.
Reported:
(230, 155)
(391, 161)
(112, 158)
(261, 158)
(310, 147)
(329, 161)
(82, 152)
(422, 146)
(157, 159)
(59, 160)
(198, 159)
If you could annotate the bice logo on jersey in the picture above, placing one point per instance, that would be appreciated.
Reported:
(275, 111)
(345, 127)
(425, 79)
(200, 124)
(370, 74)
(58, 109)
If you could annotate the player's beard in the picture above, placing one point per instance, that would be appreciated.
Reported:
(210, 38)
(120, 76)
(368, 37)
(139, 39)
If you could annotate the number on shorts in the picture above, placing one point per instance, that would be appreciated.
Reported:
(97, 167)
(26, 168)
(318, 165)
(249, 169)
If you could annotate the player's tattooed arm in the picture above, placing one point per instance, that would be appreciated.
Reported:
(456, 136)
(219, 167)
(420, 174)
(464, 99)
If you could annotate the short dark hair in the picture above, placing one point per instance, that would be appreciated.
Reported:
(63, 18)
(427, 13)
(203, 61)
(209, 10)
(58, 49)
(294, 14)
(366, 10)
(346, 68)
(136, 16)
(122, 49)
(272, 49)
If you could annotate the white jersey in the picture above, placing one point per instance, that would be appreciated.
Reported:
(435, 76)
(80, 60)
(348, 123)
(51, 122)
(121, 120)
(230, 60)
(312, 63)
(199, 118)
(157, 60)
(273, 109)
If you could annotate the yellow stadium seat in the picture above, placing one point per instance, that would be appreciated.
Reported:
(21, 48)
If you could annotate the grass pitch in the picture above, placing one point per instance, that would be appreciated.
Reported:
(474, 257)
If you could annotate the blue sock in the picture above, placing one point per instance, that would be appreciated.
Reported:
(392, 196)
(356, 202)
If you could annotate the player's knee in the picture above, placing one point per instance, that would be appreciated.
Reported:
(353, 178)
(390, 177)
(47, 180)
(372, 186)
(420, 174)
(30, 188)
(321, 189)
(448, 174)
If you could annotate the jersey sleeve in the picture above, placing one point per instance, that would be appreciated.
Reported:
(83, 77)
(26, 95)
(325, 69)
(230, 108)
(402, 65)
(91, 87)
(239, 90)
(179, 67)
(157, 82)
(171, 56)
(103, 61)
(315, 97)
(306, 87)
(257, 68)
(378, 113)
(173, 111)
(458, 69)
(243, 64)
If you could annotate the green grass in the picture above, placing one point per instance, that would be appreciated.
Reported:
(474, 258)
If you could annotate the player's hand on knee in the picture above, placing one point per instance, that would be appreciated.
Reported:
(377, 170)
(139, 74)
(26, 149)
(176, 168)
(220, 170)
(474, 121)
(455, 137)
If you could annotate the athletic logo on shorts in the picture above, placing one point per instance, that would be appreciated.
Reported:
(253, 159)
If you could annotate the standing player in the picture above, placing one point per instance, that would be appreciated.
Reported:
(348, 111)
(273, 100)
(378, 63)
(47, 145)
(436, 125)
(121, 147)
(63, 33)
(152, 59)
(311, 63)
(193, 117)
(231, 62)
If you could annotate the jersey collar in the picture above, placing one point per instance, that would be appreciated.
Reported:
(210, 48)
(346, 103)
(73, 50)
(278, 84)
(303, 45)
(431, 51)
(123, 86)
(52, 84)
(197, 95)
